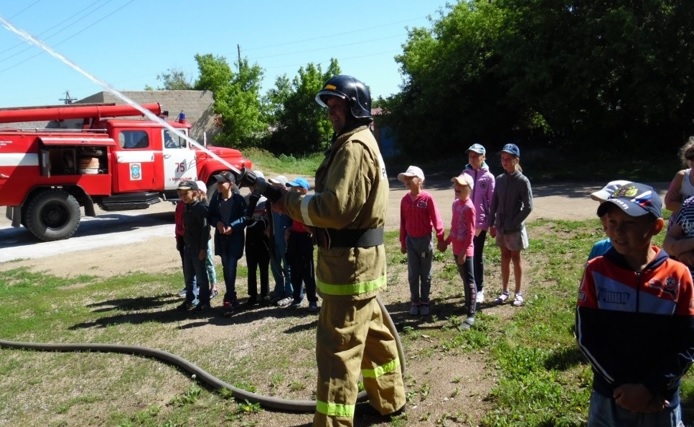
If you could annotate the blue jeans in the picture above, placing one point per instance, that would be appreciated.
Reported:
(194, 272)
(419, 257)
(604, 412)
(229, 266)
(209, 264)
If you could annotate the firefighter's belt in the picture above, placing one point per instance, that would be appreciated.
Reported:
(327, 238)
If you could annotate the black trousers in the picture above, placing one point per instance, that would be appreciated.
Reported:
(258, 258)
(300, 257)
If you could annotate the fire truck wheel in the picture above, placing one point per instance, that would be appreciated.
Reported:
(53, 215)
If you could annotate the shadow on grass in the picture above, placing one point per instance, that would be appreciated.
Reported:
(565, 359)
(139, 310)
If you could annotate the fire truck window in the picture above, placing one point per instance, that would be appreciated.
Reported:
(172, 140)
(133, 139)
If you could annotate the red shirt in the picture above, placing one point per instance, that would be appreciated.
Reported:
(419, 216)
(178, 218)
(299, 227)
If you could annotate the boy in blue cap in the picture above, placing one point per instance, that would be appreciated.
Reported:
(635, 317)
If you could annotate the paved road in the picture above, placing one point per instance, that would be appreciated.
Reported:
(107, 229)
(552, 201)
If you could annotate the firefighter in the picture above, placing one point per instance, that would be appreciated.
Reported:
(347, 214)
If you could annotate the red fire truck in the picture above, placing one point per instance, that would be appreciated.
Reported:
(94, 154)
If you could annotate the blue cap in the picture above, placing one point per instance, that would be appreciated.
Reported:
(477, 148)
(299, 182)
(511, 149)
(635, 199)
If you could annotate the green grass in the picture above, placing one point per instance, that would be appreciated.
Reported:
(543, 379)
(272, 164)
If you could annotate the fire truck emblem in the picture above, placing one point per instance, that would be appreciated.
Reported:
(135, 172)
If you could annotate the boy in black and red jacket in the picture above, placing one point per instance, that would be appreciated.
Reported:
(635, 317)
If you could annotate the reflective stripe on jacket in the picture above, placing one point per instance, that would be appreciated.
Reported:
(351, 192)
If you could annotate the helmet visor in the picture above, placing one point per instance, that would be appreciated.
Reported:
(322, 97)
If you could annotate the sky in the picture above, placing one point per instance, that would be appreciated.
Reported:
(128, 43)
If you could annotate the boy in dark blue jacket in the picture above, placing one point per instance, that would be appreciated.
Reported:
(635, 317)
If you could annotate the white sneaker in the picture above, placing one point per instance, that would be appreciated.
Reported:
(518, 300)
(182, 292)
(480, 297)
(285, 302)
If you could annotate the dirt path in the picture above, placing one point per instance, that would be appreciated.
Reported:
(149, 246)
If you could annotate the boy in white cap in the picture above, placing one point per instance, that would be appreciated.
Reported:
(602, 246)
(635, 317)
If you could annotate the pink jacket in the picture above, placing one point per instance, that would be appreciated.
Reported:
(462, 227)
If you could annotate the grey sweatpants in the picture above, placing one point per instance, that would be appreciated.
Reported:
(419, 257)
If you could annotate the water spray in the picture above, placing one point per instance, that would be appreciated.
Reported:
(245, 177)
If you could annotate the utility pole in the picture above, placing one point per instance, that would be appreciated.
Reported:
(238, 53)
(68, 99)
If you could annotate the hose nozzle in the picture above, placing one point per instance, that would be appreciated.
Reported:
(258, 184)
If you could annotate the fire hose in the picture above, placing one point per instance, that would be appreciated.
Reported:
(200, 374)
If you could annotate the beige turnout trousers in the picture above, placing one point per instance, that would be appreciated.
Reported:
(352, 339)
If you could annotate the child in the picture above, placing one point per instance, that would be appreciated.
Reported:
(284, 295)
(196, 235)
(602, 246)
(209, 262)
(257, 247)
(300, 255)
(511, 205)
(178, 232)
(418, 214)
(635, 317)
(228, 216)
(461, 235)
(678, 240)
(482, 194)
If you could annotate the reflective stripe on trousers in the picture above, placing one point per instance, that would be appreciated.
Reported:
(352, 339)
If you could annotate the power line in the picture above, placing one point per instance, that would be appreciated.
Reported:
(42, 33)
(331, 47)
(68, 38)
(323, 37)
(25, 9)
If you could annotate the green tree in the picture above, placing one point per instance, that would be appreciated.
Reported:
(300, 125)
(603, 72)
(590, 75)
(237, 99)
(449, 96)
(174, 79)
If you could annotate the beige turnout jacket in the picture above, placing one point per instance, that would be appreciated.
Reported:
(351, 192)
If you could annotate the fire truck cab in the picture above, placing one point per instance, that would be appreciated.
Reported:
(94, 154)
